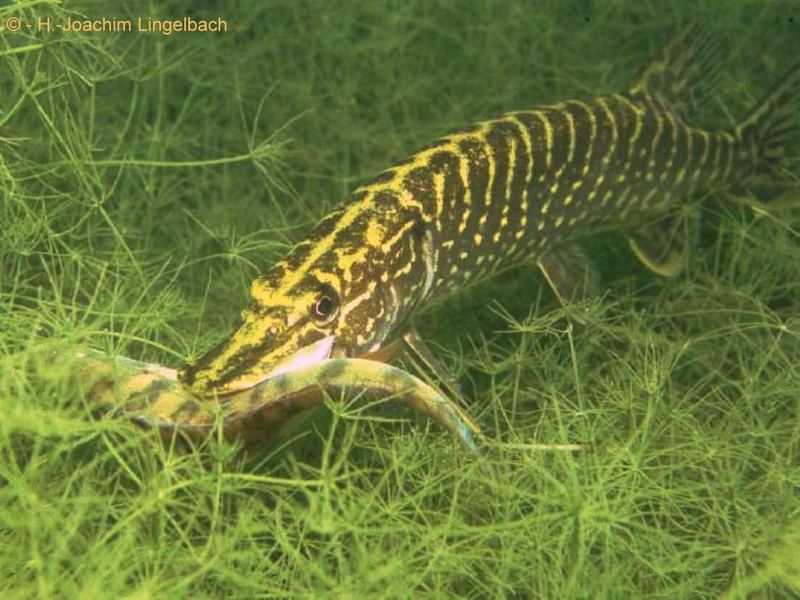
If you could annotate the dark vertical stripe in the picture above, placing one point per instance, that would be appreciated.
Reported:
(561, 136)
(582, 140)
(447, 164)
(534, 128)
(520, 175)
(418, 182)
(498, 148)
(477, 158)
(701, 143)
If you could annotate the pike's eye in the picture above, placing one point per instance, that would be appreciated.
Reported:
(325, 305)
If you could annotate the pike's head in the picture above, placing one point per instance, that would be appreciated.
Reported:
(323, 300)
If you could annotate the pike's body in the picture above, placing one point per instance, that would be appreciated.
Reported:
(493, 195)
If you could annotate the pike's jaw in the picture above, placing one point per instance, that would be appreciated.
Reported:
(304, 357)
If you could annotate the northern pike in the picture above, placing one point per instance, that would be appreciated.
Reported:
(485, 198)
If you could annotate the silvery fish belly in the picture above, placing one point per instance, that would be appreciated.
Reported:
(494, 194)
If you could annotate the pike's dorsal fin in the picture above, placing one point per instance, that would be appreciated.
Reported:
(773, 122)
(663, 245)
(570, 274)
(684, 72)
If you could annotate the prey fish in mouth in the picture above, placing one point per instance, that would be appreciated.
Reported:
(256, 416)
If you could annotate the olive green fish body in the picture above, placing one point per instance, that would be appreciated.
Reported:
(484, 198)
(508, 190)
(492, 195)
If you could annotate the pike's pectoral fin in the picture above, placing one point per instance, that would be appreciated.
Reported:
(430, 368)
(663, 245)
(570, 273)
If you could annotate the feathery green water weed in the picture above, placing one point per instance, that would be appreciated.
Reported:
(146, 179)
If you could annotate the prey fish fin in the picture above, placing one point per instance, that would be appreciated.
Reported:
(683, 73)
(663, 245)
(570, 273)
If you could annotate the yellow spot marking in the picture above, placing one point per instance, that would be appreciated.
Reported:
(559, 221)
(346, 262)
(492, 169)
(592, 134)
(522, 224)
(548, 131)
(390, 243)
(325, 277)
(638, 116)
(546, 207)
(349, 216)
(649, 195)
(526, 138)
(512, 163)
(353, 304)
(611, 147)
(478, 238)
(622, 200)
(374, 234)
(438, 192)
(689, 147)
(673, 150)
(659, 130)
(571, 147)
(404, 271)
(463, 173)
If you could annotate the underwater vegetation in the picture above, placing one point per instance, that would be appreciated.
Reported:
(146, 180)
